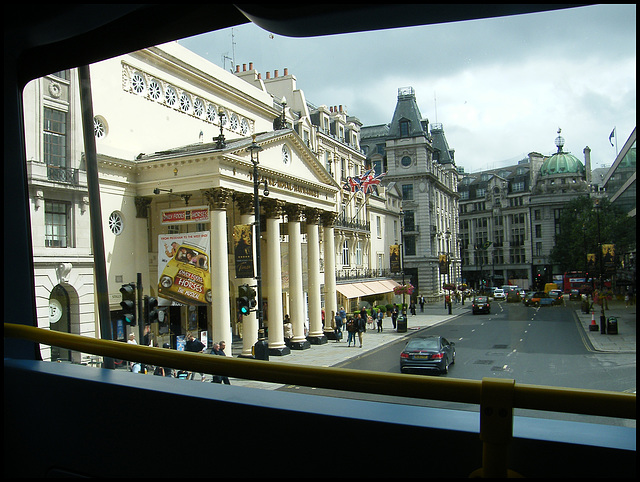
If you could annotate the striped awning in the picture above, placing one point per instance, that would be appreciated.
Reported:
(366, 288)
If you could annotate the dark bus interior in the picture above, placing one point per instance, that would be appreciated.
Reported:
(65, 420)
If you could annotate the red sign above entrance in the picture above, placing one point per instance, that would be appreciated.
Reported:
(196, 214)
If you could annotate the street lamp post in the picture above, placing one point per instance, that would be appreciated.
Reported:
(220, 140)
(447, 236)
(402, 256)
(261, 350)
(603, 324)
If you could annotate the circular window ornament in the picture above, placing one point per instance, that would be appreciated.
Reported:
(185, 102)
(244, 126)
(211, 113)
(234, 122)
(286, 156)
(155, 91)
(198, 107)
(137, 83)
(99, 128)
(116, 223)
(170, 96)
(406, 161)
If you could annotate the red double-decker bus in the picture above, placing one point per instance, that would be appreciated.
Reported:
(577, 280)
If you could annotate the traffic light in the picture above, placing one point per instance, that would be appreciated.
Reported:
(252, 298)
(244, 300)
(128, 303)
(151, 309)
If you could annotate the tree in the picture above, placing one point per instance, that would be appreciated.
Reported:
(579, 232)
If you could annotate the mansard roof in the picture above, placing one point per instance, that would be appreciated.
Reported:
(407, 110)
(440, 143)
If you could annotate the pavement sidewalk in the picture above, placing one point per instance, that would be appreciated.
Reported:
(622, 342)
(333, 353)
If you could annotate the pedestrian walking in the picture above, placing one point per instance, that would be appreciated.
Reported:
(394, 315)
(337, 326)
(380, 317)
(222, 344)
(287, 328)
(361, 326)
(195, 346)
(133, 366)
(351, 331)
(343, 315)
(421, 301)
(164, 371)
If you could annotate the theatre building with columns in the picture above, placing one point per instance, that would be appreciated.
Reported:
(178, 140)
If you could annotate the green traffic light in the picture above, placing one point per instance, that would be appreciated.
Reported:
(128, 303)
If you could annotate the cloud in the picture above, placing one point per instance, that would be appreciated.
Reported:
(501, 87)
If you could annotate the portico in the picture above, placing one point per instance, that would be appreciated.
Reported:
(301, 200)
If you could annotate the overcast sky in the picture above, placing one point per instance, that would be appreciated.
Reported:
(500, 87)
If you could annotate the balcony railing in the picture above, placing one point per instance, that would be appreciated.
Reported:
(65, 175)
(343, 222)
(361, 274)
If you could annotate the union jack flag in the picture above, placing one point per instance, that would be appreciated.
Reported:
(352, 184)
(369, 181)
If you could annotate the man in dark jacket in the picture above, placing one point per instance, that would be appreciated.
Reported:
(223, 378)
(195, 346)
(361, 326)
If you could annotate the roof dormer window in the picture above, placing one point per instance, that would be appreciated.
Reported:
(404, 128)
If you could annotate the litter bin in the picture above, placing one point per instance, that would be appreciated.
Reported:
(261, 350)
(612, 325)
(401, 324)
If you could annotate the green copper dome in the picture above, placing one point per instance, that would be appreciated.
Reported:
(561, 162)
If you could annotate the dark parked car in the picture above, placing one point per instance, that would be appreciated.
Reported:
(481, 304)
(427, 353)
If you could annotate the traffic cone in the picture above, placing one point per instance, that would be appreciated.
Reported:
(593, 326)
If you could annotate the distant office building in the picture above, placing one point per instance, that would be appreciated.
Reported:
(509, 217)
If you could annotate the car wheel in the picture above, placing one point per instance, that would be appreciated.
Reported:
(445, 369)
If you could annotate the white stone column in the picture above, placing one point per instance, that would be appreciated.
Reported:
(296, 291)
(218, 199)
(272, 278)
(330, 296)
(316, 334)
(250, 321)
(142, 247)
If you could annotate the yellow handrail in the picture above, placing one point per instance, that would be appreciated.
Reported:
(535, 397)
(497, 397)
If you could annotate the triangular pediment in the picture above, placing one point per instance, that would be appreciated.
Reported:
(291, 169)
(284, 152)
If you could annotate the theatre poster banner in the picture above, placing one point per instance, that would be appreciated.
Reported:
(183, 269)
